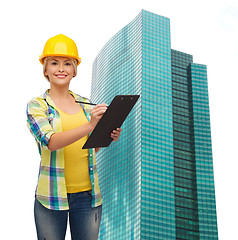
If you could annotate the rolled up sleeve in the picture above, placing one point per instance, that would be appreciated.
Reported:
(38, 123)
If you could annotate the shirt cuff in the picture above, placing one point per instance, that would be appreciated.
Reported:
(46, 138)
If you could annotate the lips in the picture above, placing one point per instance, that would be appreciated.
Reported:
(61, 75)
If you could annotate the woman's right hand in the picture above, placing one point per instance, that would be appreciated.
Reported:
(62, 139)
(96, 113)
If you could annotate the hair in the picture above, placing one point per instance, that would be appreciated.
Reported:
(73, 61)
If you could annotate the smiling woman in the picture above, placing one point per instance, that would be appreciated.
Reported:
(68, 180)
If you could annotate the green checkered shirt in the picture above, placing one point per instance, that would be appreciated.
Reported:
(43, 120)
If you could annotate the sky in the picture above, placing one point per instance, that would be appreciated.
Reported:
(206, 29)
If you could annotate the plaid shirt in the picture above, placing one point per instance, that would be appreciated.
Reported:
(43, 120)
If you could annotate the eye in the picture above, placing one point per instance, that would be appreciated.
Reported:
(53, 63)
(68, 63)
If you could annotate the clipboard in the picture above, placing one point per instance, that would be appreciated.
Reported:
(113, 118)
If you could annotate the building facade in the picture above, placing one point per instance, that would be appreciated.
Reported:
(157, 180)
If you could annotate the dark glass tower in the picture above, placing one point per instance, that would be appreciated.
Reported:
(186, 207)
(157, 180)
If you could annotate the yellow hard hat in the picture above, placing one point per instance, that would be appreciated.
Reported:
(60, 45)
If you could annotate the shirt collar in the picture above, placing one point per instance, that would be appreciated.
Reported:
(46, 97)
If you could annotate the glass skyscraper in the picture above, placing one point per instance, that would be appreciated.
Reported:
(157, 180)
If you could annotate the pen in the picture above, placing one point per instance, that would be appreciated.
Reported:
(86, 103)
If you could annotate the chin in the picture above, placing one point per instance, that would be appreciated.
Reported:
(60, 81)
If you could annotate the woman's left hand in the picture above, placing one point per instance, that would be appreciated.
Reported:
(116, 134)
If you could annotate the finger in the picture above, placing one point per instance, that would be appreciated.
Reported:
(116, 132)
(114, 138)
(96, 108)
(101, 105)
(99, 111)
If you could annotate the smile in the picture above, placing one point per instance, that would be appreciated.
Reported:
(61, 75)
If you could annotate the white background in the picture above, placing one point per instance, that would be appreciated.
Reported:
(206, 29)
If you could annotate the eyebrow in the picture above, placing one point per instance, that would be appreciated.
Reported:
(53, 59)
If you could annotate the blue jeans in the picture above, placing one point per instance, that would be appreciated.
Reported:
(84, 220)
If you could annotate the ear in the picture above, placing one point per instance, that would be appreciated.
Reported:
(45, 73)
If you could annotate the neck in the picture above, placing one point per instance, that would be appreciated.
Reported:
(59, 92)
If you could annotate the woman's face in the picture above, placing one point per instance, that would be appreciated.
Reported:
(59, 70)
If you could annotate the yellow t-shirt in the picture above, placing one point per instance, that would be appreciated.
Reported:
(76, 159)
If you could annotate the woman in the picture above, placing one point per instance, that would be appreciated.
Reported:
(61, 121)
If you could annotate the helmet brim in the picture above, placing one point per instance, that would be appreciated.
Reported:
(42, 57)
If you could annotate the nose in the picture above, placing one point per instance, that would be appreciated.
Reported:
(61, 67)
